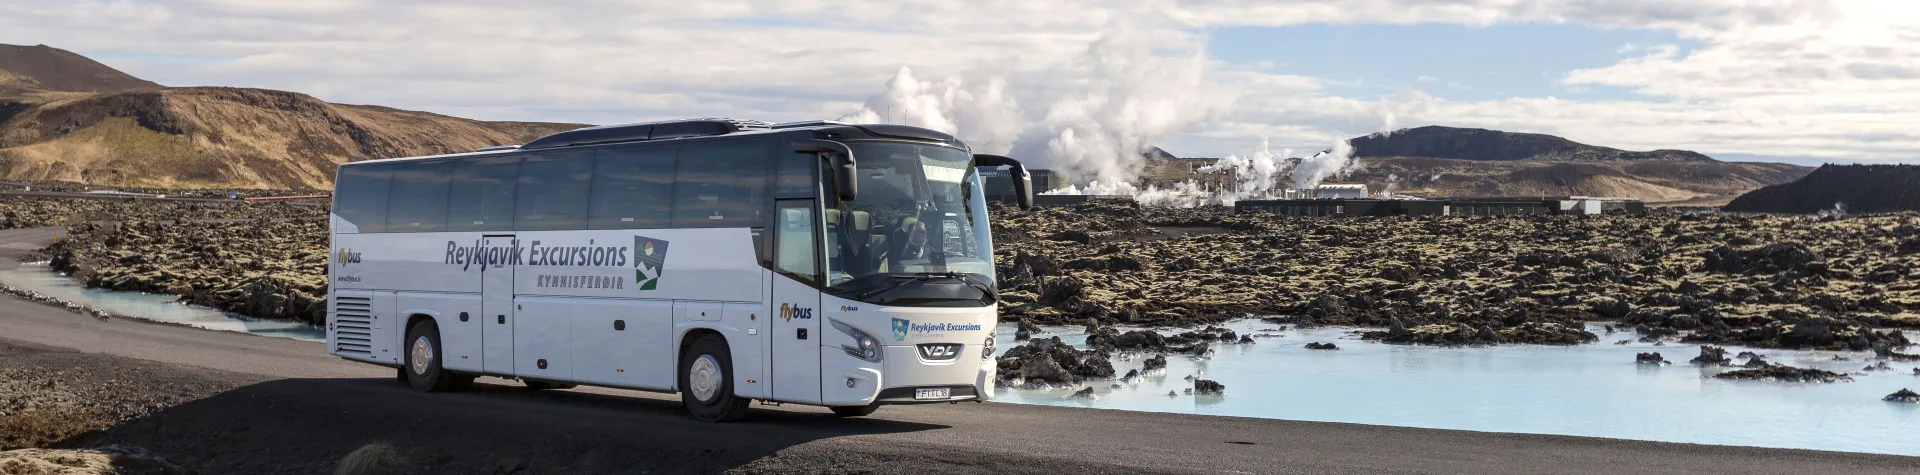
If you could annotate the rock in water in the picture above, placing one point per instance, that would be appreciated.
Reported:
(1246, 339)
(1132, 373)
(1156, 362)
(1903, 395)
(1711, 355)
(1083, 393)
(1649, 358)
(1171, 393)
(1880, 366)
(1755, 361)
(1322, 346)
(1208, 386)
(1785, 374)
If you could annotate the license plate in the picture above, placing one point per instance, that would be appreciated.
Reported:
(932, 393)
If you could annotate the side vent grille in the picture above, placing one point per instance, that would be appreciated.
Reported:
(353, 325)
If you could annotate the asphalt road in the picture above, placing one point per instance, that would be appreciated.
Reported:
(308, 409)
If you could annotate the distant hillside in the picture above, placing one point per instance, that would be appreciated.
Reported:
(47, 68)
(1654, 181)
(136, 133)
(1854, 188)
(1481, 144)
(1446, 161)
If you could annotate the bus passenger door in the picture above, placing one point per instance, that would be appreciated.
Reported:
(496, 308)
(794, 353)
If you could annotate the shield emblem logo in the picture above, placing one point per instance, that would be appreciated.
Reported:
(649, 261)
(900, 326)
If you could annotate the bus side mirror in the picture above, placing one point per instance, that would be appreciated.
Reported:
(845, 171)
(1022, 182)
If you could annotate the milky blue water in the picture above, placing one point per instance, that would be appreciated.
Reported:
(157, 307)
(1591, 390)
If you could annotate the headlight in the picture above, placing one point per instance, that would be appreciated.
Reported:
(865, 346)
(986, 350)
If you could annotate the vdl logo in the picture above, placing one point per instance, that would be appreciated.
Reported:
(346, 256)
(900, 326)
(649, 261)
(788, 312)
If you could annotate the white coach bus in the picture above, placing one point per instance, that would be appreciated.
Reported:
(847, 266)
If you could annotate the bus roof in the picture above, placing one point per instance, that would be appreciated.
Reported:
(699, 129)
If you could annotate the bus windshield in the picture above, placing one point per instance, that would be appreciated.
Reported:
(915, 218)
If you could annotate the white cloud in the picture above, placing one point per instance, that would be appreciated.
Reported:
(1836, 78)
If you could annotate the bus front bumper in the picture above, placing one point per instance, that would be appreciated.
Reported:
(899, 377)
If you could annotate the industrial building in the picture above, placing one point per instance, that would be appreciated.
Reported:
(999, 184)
(1467, 206)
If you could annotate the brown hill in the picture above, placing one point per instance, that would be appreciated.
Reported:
(47, 68)
(1482, 144)
(136, 133)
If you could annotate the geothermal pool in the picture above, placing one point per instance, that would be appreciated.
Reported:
(157, 307)
(1592, 390)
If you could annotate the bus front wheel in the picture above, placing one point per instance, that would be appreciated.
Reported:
(855, 411)
(422, 369)
(706, 383)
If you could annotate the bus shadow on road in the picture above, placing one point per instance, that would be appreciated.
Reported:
(308, 425)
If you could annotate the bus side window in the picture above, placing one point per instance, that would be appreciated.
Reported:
(360, 196)
(794, 176)
(795, 238)
(481, 198)
(632, 188)
(553, 191)
(720, 184)
(418, 201)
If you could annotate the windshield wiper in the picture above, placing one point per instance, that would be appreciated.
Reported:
(884, 288)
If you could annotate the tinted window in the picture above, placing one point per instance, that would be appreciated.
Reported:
(360, 196)
(481, 198)
(794, 179)
(720, 184)
(632, 188)
(553, 191)
(418, 201)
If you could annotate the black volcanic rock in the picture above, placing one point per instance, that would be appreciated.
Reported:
(1482, 144)
(1856, 188)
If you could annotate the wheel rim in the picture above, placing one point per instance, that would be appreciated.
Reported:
(422, 355)
(705, 378)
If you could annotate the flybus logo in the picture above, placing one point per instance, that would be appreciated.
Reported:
(345, 256)
(650, 260)
(788, 312)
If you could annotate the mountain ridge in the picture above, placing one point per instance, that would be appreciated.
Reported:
(134, 132)
(42, 67)
(1484, 144)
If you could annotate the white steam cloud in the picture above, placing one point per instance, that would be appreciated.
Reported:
(982, 113)
(1095, 114)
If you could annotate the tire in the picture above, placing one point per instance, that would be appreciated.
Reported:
(547, 385)
(706, 385)
(423, 353)
(855, 411)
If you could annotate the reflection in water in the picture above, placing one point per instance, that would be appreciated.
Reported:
(157, 307)
(1591, 390)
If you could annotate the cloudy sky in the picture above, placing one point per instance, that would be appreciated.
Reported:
(1792, 80)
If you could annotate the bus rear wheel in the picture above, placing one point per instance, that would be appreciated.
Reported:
(422, 370)
(855, 411)
(706, 383)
